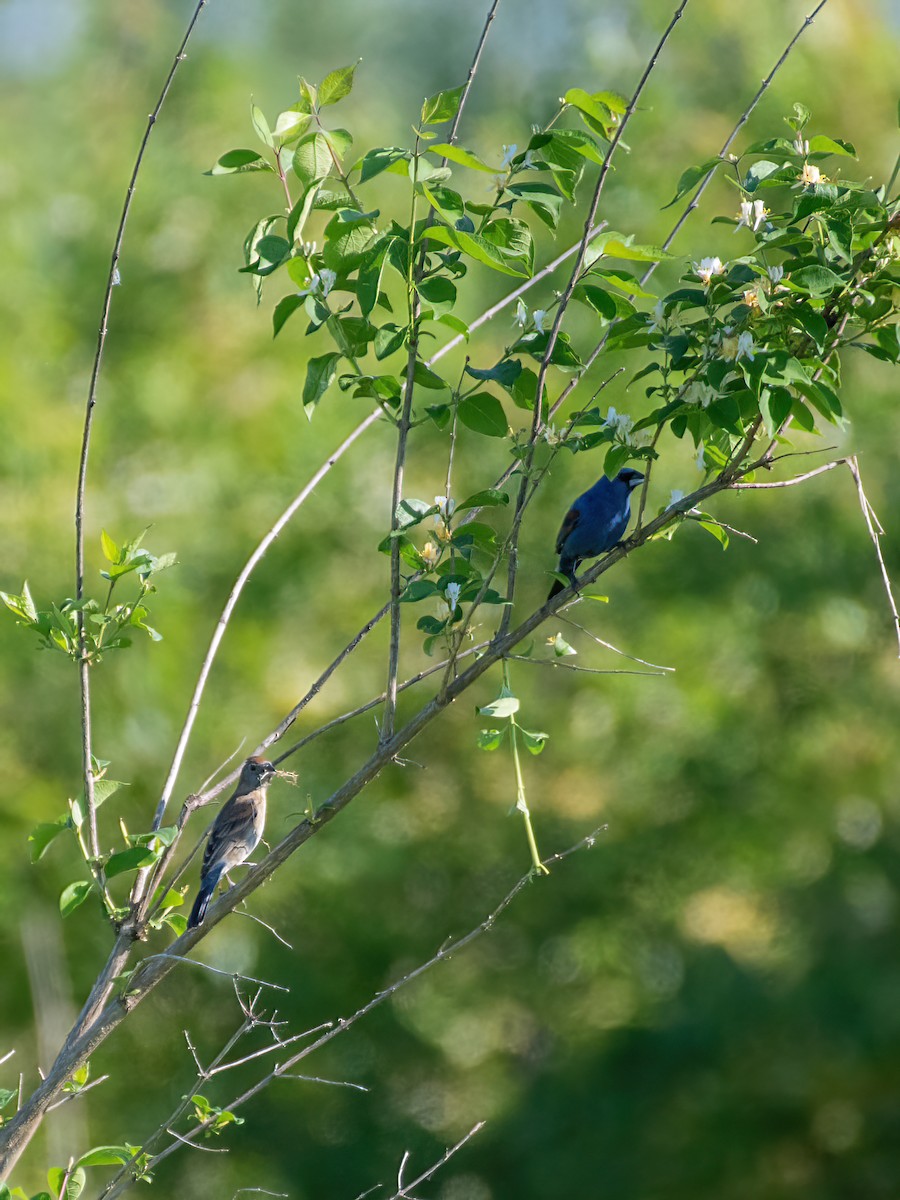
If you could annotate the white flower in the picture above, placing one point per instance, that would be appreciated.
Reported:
(760, 212)
(308, 248)
(429, 554)
(810, 175)
(800, 145)
(751, 297)
(452, 594)
(621, 423)
(528, 161)
(746, 215)
(776, 274)
(521, 317)
(445, 509)
(539, 316)
(659, 321)
(700, 461)
(550, 435)
(700, 393)
(320, 284)
(677, 494)
(509, 153)
(707, 267)
(745, 346)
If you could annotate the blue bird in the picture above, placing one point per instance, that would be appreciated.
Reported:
(595, 523)
(236, 832)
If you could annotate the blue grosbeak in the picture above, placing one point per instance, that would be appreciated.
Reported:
(235, 833)
(595, 522)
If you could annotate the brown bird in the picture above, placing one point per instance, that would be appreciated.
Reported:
(235, 833)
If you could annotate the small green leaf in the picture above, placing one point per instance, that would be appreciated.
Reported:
(73, 895)
(261, 125)
(312, 158)
(105, 1156)
(465, 158)
(690, 178)
(489, 498)
(378, 160)
(443, 106)
(534, 742)
(336, 85)
(236, 162)
(42, 835)
(74, 1183)
(506, 372)
(484, 414)
(110, 550)
(130, 860)
(490, 739)
(320, 373)
(818, 281)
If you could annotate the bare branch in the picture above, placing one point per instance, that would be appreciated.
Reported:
(875, 533)
(783, 483)
(567, 666)
(232, 600)
(512, 542)
(111, 281)
(404, 1191)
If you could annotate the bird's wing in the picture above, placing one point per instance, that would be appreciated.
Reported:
(570, 520)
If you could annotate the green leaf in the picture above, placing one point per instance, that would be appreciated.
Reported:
(612, 244)
(320, 373)
(130, 860)
(484, 414)
(818, 281)
(476, 247)
(826, 145)
(289, 126)
(261, 125)
(544, 199)
(439, 294)
(312, 158)
(441, 107)
(504, 706)
(489, 498)
(534, 742)
(74, 1183)
(336, 85)
(42, 835)
(73, 895)
(506, 372)
(236, 162)
(110, 550)
(105, 1156)
(598, 299)
(6, 1094)
(388, 339)
(284, 309)
(378, 160)
(690, 178)
(490, 739)
(465, 158)
(410, 512)
(419, 589)
(593, 107)
(340, 141)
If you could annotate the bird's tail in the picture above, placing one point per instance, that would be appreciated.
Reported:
(555, 590)
(208, 887)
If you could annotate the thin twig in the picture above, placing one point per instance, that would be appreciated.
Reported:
(566, 666)
(537, 423)
(111, 281)
(609, 646)
(405, 1190)
(875, 533)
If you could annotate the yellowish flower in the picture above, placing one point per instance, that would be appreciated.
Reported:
(707, 267)
(429, 554)
(811, 175)
(751, 297)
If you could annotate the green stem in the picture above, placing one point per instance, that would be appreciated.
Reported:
(521, 801)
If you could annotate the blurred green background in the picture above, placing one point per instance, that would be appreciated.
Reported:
(705, 1004)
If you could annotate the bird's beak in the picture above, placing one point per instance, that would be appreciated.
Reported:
(268, 769)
